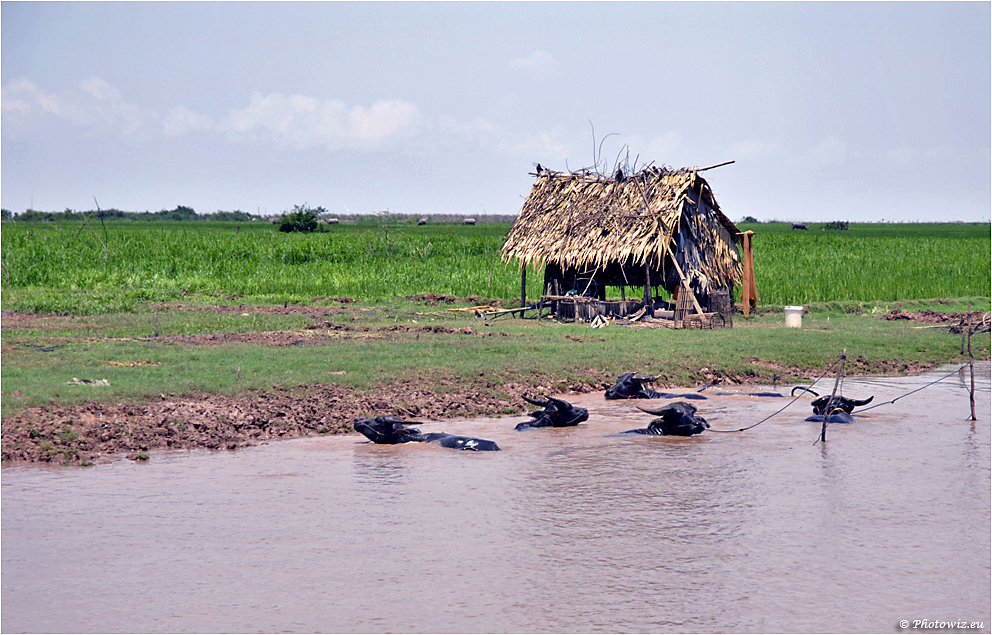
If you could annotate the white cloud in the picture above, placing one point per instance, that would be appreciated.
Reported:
(301, 122)
(181, 120)
(296, 121)
(540, 65)
(93, 103)
(20, 97)
(386, 118)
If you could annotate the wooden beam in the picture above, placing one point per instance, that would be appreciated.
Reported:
(685, 283)
(715, 166)
(647, 287)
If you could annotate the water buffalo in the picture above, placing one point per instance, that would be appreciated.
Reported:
(675, 419)
(390, 430)
(838, 416)
(826, 404)
(838, 409)
(629, 386)
(556, 413)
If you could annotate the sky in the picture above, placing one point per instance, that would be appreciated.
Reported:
(831, 111)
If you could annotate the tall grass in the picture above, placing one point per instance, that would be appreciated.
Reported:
(53, 266)
(820, 267)
(68, 268)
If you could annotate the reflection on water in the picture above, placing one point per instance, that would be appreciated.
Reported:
(565, 530)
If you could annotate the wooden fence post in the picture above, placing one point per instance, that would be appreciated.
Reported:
(826, 411)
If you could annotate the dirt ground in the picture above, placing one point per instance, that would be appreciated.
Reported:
(94, 432)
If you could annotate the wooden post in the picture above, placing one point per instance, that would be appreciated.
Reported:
(826, 411)
(749, 290)
(648, 304)
(523, 289)
(971, 362)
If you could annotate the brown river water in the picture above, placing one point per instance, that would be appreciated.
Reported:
(565, 530)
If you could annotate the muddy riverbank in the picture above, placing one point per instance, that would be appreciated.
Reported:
(95, 431)
(80, 434)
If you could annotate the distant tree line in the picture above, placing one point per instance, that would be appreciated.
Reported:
(300, 218)
(414, 218)
(181, 212)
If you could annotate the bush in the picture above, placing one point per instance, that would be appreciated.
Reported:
(180, 213)
(837, 225)
(301, 219)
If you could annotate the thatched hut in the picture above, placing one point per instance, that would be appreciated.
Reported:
(659, 227)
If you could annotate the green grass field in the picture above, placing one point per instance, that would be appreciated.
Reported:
(69, 268)
(102, 282)
(73, 268)
(884, 262)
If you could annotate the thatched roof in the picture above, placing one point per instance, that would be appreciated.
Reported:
(582, 220)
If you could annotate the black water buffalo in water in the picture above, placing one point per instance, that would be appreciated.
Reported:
(838, 416)
(556, 413)
(675, 419)
(838, 409)
(629, 386)
(826, 404)
(390, 430)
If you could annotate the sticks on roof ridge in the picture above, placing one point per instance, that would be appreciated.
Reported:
(587, 173)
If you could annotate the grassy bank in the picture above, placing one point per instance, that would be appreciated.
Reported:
(233, 350)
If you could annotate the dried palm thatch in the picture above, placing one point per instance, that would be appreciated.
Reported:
(587, 221)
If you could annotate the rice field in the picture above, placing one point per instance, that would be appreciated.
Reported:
(884, 262)
(65, 267)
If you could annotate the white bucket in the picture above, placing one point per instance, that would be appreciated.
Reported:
(794, 316)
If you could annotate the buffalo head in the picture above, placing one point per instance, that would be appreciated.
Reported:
(556, 413)
(677, 418)
(630, 386)
(387, 430)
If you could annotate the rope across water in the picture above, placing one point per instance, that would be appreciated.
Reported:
(780, 410)
(827, 372)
